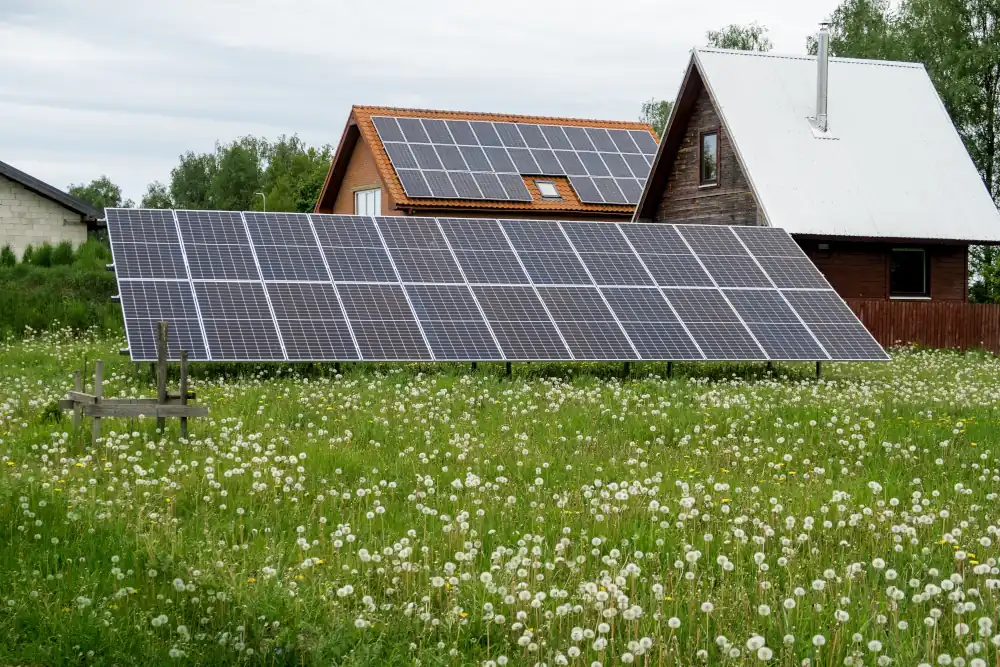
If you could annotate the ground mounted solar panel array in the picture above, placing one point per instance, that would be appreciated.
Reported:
(462, 159)
(297, 287)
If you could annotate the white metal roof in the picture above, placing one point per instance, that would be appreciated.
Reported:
(894, 167)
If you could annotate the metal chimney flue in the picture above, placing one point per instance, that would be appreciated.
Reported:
(822, 75)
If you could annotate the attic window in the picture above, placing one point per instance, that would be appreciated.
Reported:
(708, 158)
(547, 189)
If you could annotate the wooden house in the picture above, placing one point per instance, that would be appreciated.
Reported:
(364, 180)
(857, 159)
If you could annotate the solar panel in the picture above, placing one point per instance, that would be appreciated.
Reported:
(239, 325)
(650, 323)
(428, 153)
(452, 322)
(147, 302)
(285, 247)
(283, 286)
(383, 323)
(587, 324)
(521, 323)
(311, 321)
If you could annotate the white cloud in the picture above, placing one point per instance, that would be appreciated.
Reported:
(123, 87)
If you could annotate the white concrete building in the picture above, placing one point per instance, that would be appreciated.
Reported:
(33, 212)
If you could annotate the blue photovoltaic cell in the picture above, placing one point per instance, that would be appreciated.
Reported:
(465, 185)
(413, 130)
(514, 186)
(388, 129)
(462, 132)
(586, 190)
(413, 182)
(490, 186)
(474, 234)
(437, 131)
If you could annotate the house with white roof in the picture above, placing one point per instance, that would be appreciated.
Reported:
(857, 159)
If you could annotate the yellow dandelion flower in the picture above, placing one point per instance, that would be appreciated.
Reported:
(251, 579)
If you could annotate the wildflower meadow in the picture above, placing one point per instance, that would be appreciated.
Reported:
(435, 515)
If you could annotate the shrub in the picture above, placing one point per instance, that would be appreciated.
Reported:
(63, 254)
(74, 296)
(42, 255)
(28, 254)
(93, 254)
(7, 256)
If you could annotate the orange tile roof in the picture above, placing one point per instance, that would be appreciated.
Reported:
(362, 116)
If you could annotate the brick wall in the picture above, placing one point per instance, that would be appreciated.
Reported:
(29, 219)
(361, 174)
(684, 200)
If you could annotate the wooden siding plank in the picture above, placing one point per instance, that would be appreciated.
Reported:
(933, 324)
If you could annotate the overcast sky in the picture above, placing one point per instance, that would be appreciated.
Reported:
(122, 87)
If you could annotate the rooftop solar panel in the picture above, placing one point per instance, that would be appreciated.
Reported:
(426, 152)
(451, 158)
(257, 287)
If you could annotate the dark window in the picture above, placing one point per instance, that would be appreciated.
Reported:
(709, 170)
(908, 274)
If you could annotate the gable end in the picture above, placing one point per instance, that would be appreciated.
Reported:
(674, 193)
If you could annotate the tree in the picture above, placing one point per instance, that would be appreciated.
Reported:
(752, 37)
(289, 173)
(157, 196)
(101, 193)
(191, 181)
(656, 113)
(864, 29)
(959, 43)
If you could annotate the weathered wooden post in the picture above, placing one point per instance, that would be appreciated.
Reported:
(184, 391)
(98, 393)
(78, 409)
(161, 370)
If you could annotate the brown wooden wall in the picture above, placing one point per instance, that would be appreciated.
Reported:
(936, 324)
(684, 199)
(860, 270)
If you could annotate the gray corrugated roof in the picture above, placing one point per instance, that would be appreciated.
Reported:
(892, 166)
(49, 192)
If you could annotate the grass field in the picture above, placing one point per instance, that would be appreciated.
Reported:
(433, 516)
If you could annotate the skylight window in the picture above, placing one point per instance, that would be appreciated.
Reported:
(548, 190)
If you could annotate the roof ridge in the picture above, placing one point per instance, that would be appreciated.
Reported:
(628, 124)
(49, 192)
(799, 56)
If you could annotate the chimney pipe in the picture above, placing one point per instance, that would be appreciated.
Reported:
(822, 75)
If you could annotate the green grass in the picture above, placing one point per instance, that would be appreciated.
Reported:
(429, 515)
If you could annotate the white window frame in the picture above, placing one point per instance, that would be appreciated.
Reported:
(368, 201)
(553, 194)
